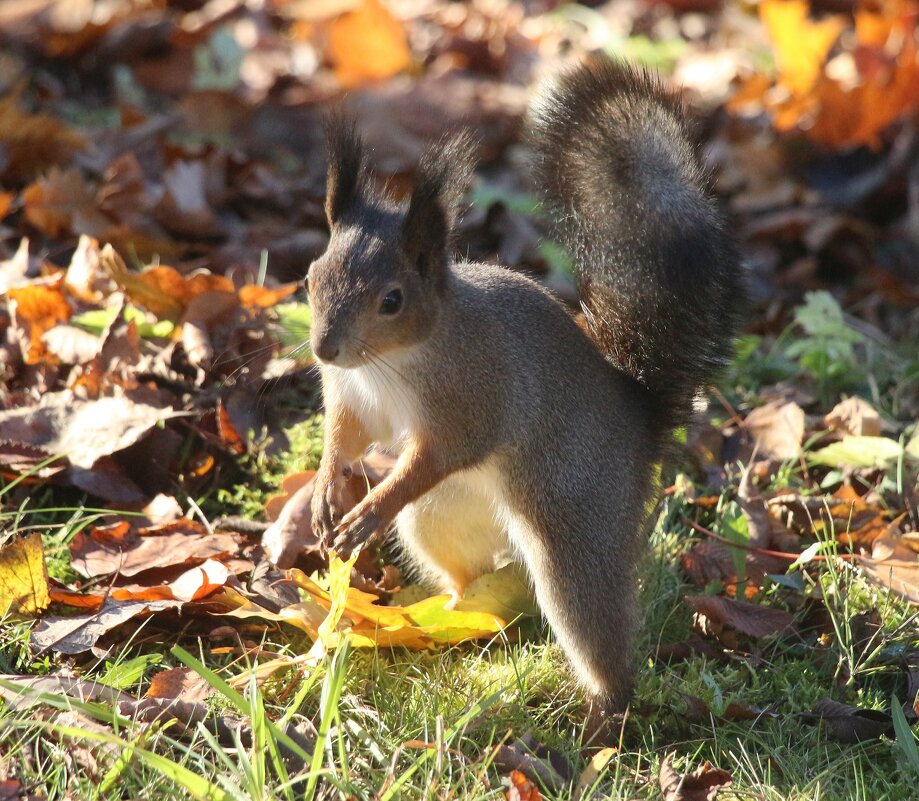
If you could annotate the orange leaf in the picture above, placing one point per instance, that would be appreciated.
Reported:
(253, 296)
(37, 308)
(367, 44)
(161, 290)
(521, 789)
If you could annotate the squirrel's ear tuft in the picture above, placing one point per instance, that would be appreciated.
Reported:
(346, 164)
(441, 181)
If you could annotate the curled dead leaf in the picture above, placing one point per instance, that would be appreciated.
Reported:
(702, 784)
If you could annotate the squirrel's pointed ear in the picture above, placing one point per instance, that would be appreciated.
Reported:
(440, 182)
(346, 164)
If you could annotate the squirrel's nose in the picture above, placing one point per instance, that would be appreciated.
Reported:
(325, 350)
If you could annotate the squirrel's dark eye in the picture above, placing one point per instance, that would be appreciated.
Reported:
(392, 302)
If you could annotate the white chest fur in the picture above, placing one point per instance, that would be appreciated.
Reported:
(381, 397)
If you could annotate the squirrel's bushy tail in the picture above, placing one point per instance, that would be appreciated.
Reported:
(657, 269)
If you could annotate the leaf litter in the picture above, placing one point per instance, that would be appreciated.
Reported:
(147, 266)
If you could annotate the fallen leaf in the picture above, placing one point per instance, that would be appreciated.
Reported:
(85, 278)
(83, 431)
(23, 578)
(848, 723)
(750, 619)
(71, 345)
(699, 711)
(801, 44)
(852, 451)
(162, 290)
(61, 203)
(253, 296)
(854, 416)
(179, 682)
(777, 429)
(506, 593)
(33, 142)
(343, 611)
(291, 530)
(36, 309)
(521, 788)
(702, 784)
(100, 552)
(194, 584)
(366, 43)
(594, 769)
(14, 271)
(79, 633)
(21, 692)
(900, 576)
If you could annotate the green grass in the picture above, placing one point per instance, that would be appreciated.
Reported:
(401, 724)
(381, 707)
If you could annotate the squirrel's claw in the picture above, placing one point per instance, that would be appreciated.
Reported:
(355, 529)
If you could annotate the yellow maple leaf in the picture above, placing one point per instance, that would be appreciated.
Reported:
(342, 611)
(801, 45)
(23, 579)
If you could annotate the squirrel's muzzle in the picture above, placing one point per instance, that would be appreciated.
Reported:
(325, 348)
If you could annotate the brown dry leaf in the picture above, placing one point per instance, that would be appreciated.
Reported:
(707, 561)
(894, 562)
(62, 203)
(82, 431)
(702, 784)
(698, 711)
(863, 537)
(848, 723)
(79, 633)
(23, 578)
(750, 619)
(777, 429)
(79, 600)
(102, 552)
(366, 44)
(32, 142)
(179, 682)
(854, 416)
(36, 309)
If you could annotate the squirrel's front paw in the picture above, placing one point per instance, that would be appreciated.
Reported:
(358, 526)
(326, 507)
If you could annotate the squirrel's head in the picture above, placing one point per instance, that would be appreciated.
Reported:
(379, 285)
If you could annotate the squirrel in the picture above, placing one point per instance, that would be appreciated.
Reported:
(516, 431)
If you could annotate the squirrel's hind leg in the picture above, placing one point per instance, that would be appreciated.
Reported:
(585, 587)
(452, 536)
